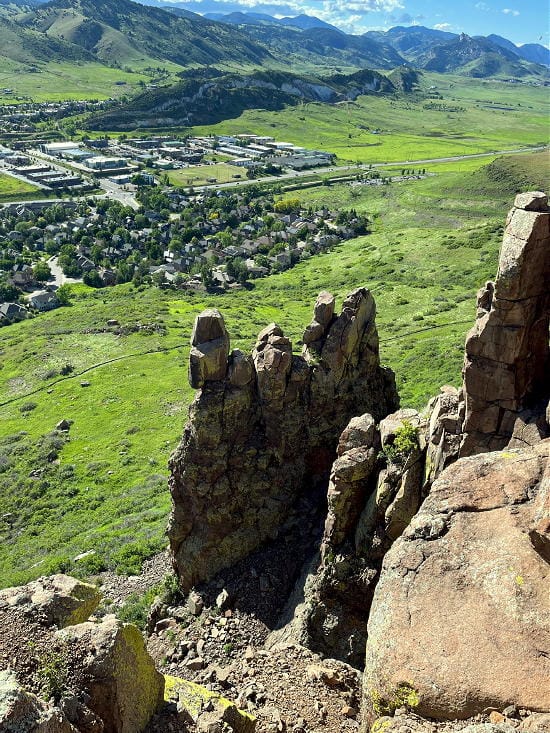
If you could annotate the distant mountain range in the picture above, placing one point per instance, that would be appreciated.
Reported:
(426, 48)
(121, 32)
(124, 33)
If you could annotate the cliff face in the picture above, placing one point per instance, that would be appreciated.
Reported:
(507, 363)
(263, 428)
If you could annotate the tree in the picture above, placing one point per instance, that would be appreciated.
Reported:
(41, 272)
(206, 276)
(93, 279)
(64, 294)
(8, 292)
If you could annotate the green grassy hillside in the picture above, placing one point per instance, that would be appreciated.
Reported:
(472, 116)
(121, 32)
(435, 241)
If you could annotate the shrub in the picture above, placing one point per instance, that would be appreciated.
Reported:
(405, 442)
(28, 407)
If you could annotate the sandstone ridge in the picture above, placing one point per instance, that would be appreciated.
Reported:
(263, 428)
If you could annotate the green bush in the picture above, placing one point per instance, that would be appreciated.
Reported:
(405, 442)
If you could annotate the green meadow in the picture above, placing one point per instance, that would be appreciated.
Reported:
(13, 189)
(473, 116)
(64, 80)
(434, 243)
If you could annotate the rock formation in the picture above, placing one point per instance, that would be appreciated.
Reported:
(99, 674)
(433, 556)
(374, 491)
(263, 428)
(507, 362)
(461, 614)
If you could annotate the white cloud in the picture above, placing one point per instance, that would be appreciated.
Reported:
(509, 11)
(443, 26)
(482, 6)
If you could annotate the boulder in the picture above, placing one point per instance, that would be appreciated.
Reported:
(23, 712)
(460, 619)
(122, 684)
(209, 349)
(444, 433)
(207, 710)
(57, 600)
(323, 311)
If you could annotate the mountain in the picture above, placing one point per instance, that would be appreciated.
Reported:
(475, 57)
(207, 96)
(305, 22)
(411, 41)
(119, 32)
(240, 18)
(26, 46)
(323, 46)
(503, 43)
(535, 53)
(444, 52)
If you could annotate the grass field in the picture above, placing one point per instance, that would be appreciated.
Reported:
(435, 241)
(13, 189)
(198, 175)
(64, 81)
(474, 116)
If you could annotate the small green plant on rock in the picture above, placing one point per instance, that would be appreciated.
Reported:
(402, 696)
(405, 442)
(53, 675)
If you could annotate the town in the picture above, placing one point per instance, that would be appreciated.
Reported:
(213, 239)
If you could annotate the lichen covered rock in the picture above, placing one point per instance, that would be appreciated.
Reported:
(54, 600)
(23, 712)
(461, 614)
(122, 684)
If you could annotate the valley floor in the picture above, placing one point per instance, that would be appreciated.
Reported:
(103, 491)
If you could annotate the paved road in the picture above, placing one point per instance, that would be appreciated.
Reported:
(367, 166)
(114, 191)
(58, 278)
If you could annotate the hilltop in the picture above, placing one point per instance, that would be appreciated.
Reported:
(123, 32)
(210, 96)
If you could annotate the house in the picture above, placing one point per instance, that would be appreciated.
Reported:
(44, 301)
(12, 312)
(22, 275)
(85, 264)
(108, 276)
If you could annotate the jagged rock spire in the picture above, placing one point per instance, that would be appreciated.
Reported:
(264, 427)
(507, 365)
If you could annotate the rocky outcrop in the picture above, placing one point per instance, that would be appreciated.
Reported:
(460, 620)
(57, 600)
(23, 712)
(444, 433)
(374, 491)
(264, 427)
(506, 386)
(99, 675)
(123, 689)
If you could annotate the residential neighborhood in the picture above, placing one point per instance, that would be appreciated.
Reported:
(196, 241)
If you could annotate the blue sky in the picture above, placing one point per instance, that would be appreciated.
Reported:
(521, 22)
